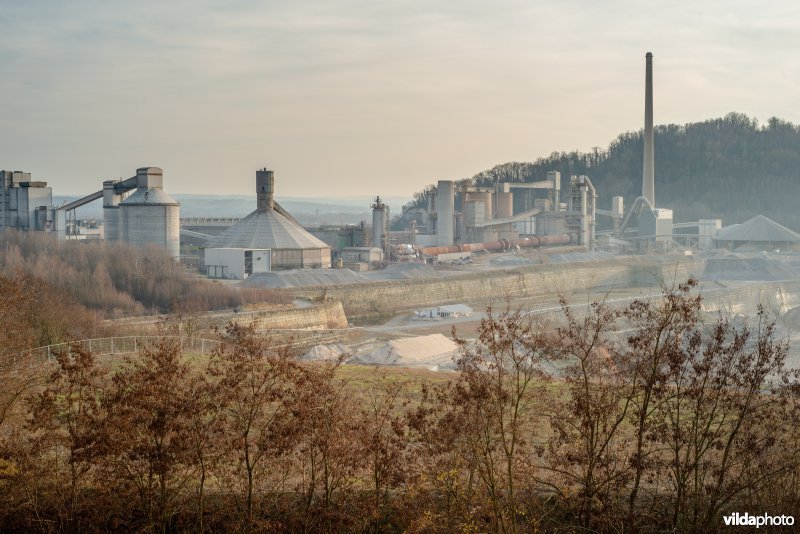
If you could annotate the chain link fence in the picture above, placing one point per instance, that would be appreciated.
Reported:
(110, 346)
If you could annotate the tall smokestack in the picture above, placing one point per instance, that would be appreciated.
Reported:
(648, 172)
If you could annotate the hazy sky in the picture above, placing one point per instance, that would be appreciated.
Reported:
(366, 97)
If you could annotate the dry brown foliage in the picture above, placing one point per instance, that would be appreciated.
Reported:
(639, 419)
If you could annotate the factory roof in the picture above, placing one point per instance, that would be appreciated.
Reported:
(759, 228)
(266, 229)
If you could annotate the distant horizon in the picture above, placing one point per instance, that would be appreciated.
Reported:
(328, 199)
(395, 196)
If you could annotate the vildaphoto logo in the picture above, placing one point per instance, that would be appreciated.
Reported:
(765, 520)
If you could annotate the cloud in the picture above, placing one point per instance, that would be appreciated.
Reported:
(340, 94)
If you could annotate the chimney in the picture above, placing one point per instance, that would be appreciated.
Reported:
(648, 172)
(265, 190)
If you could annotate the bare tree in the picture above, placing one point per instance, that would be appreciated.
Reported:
(257, 380)
(327, 443)
(489, 410)
(383, 436)
(150, 411)
(63, 421)
(587, 449)
(725, 419)
(662, 327)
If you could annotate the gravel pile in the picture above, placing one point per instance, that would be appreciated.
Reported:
(302, 278)
(404, 271)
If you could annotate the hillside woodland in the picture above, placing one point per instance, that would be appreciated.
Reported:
(731, 168)
(664, 429)
(116, 279)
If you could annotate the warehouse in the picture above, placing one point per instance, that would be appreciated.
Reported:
(759, 233)
(268, 228)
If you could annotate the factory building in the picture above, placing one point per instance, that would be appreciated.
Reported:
(342, 236)
(506, 216)
(268, 228)
(136, 211)
(236, 263)
(24, 204)
(759, 233)
(656, 224)
(368, 255)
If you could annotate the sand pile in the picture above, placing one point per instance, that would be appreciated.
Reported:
(733, 268)
(432, 352)
(325, 353)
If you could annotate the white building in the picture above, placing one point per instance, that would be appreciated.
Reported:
(270, 232)
(237, 263)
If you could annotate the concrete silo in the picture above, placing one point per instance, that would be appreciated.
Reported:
(379, 217)
(112, 213)
(149, 216)
(505, 204)
(445, 217)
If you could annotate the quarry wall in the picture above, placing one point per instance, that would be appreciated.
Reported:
(323, 315)
(775, 297)
(483, 288)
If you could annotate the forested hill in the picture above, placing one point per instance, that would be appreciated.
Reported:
(732, 168)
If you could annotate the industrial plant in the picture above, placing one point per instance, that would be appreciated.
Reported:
(451, 222)
(136, 211)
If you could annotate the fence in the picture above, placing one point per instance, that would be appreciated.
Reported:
(106, 346)
(109, 346)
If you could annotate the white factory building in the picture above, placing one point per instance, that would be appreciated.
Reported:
(269, 239)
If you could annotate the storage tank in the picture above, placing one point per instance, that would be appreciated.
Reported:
(378, 223)
(431, 214)
(555, 177)
(445, 202)
(150, 216)
(112, 216)
(505, 205)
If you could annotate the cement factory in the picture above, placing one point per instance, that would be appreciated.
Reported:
(452, 224)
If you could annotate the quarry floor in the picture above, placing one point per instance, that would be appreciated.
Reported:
(734, 284)
(363, 314)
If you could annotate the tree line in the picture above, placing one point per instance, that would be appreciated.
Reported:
(731, 168)
(118, 279)
(640, 418)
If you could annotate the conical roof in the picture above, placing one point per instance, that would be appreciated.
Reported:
(266, 229)
(148, 196)
(759, 228)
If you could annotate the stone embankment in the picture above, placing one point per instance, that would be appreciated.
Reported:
(323, 315)
(377, 299)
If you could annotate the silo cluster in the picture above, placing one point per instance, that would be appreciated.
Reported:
(148, 216)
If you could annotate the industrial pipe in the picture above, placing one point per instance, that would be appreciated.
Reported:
(501, 245)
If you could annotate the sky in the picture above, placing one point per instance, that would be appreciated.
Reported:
(366, 97)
